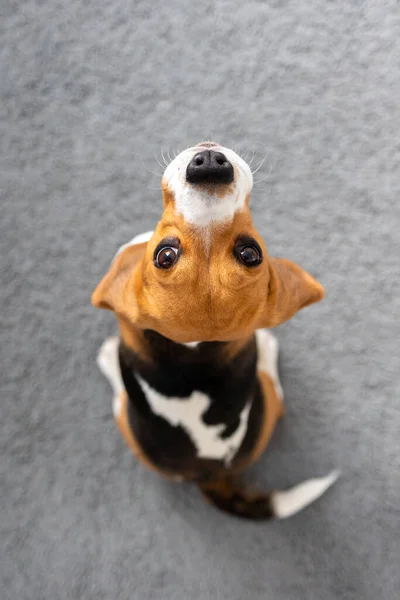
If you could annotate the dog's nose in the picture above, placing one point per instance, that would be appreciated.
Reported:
(209, 166)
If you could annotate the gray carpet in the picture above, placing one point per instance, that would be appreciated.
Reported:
(89, 92)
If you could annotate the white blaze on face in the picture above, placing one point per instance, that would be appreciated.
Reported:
(200, 204)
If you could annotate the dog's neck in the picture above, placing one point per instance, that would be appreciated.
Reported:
(165, 351)
(155, 348)
(177, 370)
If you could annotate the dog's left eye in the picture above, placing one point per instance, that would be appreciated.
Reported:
(248, 252)
(250, 256)
(166, 254)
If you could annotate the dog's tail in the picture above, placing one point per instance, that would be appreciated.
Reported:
(234, 499)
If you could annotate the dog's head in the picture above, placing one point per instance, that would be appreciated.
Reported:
(205, 274)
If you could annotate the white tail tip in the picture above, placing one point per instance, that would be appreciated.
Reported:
(289, 502)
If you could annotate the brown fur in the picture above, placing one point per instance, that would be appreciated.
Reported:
(201, 298)
(133, 338)
(273, 411)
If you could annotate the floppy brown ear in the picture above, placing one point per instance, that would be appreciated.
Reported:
(290, 289)
(110, 293)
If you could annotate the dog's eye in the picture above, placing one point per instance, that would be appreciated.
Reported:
(250, 255)
(166, 257)
(248, 252)
(167, 253)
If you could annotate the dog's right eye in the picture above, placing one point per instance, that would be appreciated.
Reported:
(166, 258)
(166, 254)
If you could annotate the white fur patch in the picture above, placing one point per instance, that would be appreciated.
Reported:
(287, 503)
(107, 361)
(201, 207)
(116, 406)
(188, 412)
(191, 344)
(138, 239)
(268, 350)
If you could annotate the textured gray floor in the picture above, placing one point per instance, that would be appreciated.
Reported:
(89, 91)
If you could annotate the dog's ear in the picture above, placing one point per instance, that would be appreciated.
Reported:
(113, 293)
(290, 289)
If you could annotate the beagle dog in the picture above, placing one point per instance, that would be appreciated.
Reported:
(194, 370)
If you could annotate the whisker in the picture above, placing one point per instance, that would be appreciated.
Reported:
(263, 179)
(267, 175)
(163, 157)
(253, 157)
(153, 173)
(260, 165)
(246, 157)
(155, 156)
(243, 154)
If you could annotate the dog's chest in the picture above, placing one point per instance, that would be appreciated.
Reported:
(184, 408)
(209, 440)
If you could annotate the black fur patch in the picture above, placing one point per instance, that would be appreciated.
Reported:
(177, 371)
(239, 504)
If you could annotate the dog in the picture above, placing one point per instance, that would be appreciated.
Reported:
(194, 370)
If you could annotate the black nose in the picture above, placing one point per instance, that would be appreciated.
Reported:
(209, 166)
